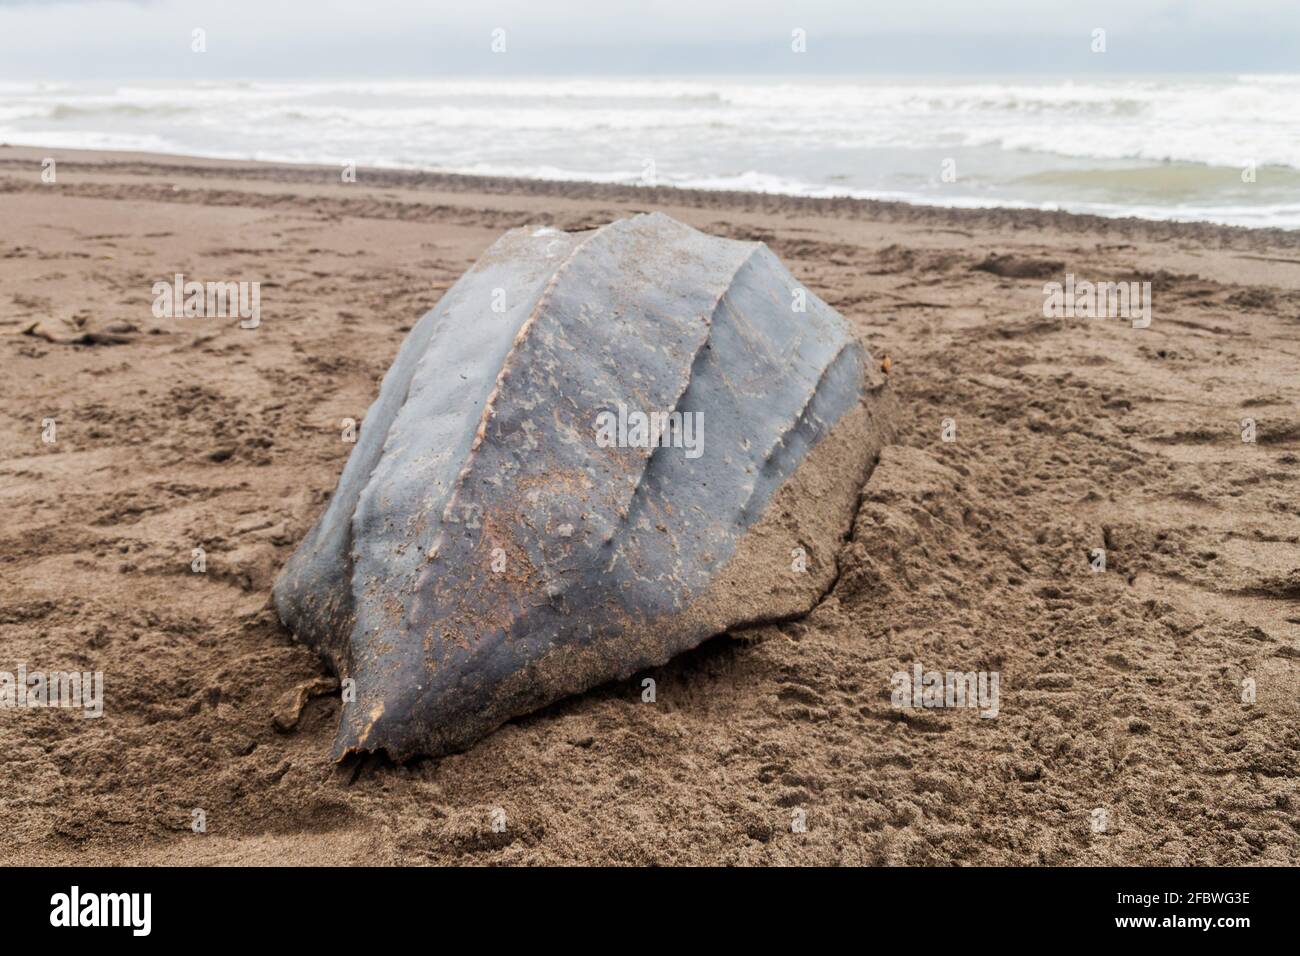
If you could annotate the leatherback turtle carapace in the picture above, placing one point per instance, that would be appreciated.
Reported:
(599, 449)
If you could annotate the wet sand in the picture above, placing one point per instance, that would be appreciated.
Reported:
(1120, 691)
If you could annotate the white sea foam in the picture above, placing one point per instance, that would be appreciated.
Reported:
(1078, 144)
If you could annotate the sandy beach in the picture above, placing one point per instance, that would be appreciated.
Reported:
(1122, 735)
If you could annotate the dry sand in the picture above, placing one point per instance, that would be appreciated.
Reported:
(1120, 691)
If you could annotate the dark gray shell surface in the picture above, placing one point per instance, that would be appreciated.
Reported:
(485, 554)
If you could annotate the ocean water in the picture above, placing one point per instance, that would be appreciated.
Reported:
(1217, 148)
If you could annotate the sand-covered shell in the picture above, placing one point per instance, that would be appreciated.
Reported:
(598, 450)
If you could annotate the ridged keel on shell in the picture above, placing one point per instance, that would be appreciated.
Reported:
(485, 554)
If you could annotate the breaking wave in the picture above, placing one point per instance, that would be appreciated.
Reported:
(1157, 147)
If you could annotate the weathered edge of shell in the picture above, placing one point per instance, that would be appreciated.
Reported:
(313, 594)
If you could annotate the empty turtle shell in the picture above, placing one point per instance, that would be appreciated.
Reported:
(598, 450)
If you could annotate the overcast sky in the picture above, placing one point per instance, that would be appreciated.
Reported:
(134, 39)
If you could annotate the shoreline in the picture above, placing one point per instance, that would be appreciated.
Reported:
(868, 210)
